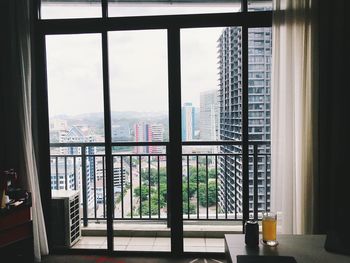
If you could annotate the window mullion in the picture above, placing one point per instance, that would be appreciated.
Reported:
(108, 142)
(174, 157)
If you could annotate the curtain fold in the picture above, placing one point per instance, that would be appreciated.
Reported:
(294, 115)
(21, 68)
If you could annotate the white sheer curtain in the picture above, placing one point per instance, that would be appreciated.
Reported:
(294, 115)
(21, 11)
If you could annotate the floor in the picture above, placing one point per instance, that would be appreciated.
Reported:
(152, 244)
(111, 259)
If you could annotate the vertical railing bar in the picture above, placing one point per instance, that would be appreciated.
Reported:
(103, 187)
(266, 182)
(149, 186)
(140, 183)
(216, 186)
(108, 133)
(235, 186)
(65, 173)
(95, 198)
(188, 186)
(197, 186)
(113, 189)
(57, 179)
(207, 184)
(122, 183)
(158, 168)
(84, 185)
(168, 202)
(75, 173)
(255, 181)
(131, 188)
(225, 182)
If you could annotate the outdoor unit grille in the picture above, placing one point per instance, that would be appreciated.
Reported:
(66, 217)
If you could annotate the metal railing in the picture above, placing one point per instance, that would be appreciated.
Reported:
(212, 182)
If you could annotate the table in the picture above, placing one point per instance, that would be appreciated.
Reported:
(16, 233)
(304, 248)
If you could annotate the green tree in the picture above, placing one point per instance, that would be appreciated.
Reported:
(211, 194)
(153, 176)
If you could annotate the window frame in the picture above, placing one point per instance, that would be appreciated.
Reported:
(173, 24)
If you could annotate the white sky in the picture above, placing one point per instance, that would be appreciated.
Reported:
(138, 69)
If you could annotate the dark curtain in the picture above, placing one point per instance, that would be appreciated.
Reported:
(334, 118)
(9, 115)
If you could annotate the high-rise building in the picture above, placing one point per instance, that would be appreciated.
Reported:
(230, 99)
(157, 132)
(146, 132)
(187, 122)
(209, 115)
(63, 173)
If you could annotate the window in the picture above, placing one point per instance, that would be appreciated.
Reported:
(141, 100)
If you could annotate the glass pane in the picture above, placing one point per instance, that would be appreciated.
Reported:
(119, 8)
(77, 155)
(138, 64)
(259, 90)
(211, 97)
(139, 79)
(200, 86)
(259, 5)
(54, 9)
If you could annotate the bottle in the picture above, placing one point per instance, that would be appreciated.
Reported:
(251, 233)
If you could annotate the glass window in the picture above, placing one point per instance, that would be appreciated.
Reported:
(58, 9)
(259, 5)
(120, 8)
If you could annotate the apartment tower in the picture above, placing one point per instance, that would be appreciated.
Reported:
(230, 128)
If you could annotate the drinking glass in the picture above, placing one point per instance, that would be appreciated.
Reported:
(269, 228)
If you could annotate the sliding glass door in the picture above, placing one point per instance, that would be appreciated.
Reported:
(159, 125)
(138, 74)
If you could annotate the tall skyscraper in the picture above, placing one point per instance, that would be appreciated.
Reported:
(188, 122)
(230, 97)
(209, 115)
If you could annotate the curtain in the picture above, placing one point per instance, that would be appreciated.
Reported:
(333, 117)
(294, 115)
(21, 63)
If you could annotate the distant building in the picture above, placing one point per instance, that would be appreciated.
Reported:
(101, 178)
(61, 170)
(188, 122)
(58, 134)
(146, 132)
(209, 115)
(65, 173)
(142, 134)
(157, 134)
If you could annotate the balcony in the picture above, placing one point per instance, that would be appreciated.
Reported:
(211, 183)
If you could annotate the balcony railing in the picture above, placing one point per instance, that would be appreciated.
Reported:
(212, 182)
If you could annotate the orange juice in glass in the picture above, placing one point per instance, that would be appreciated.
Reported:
(269, 228)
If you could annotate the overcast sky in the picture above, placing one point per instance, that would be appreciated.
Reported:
(138, 69)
